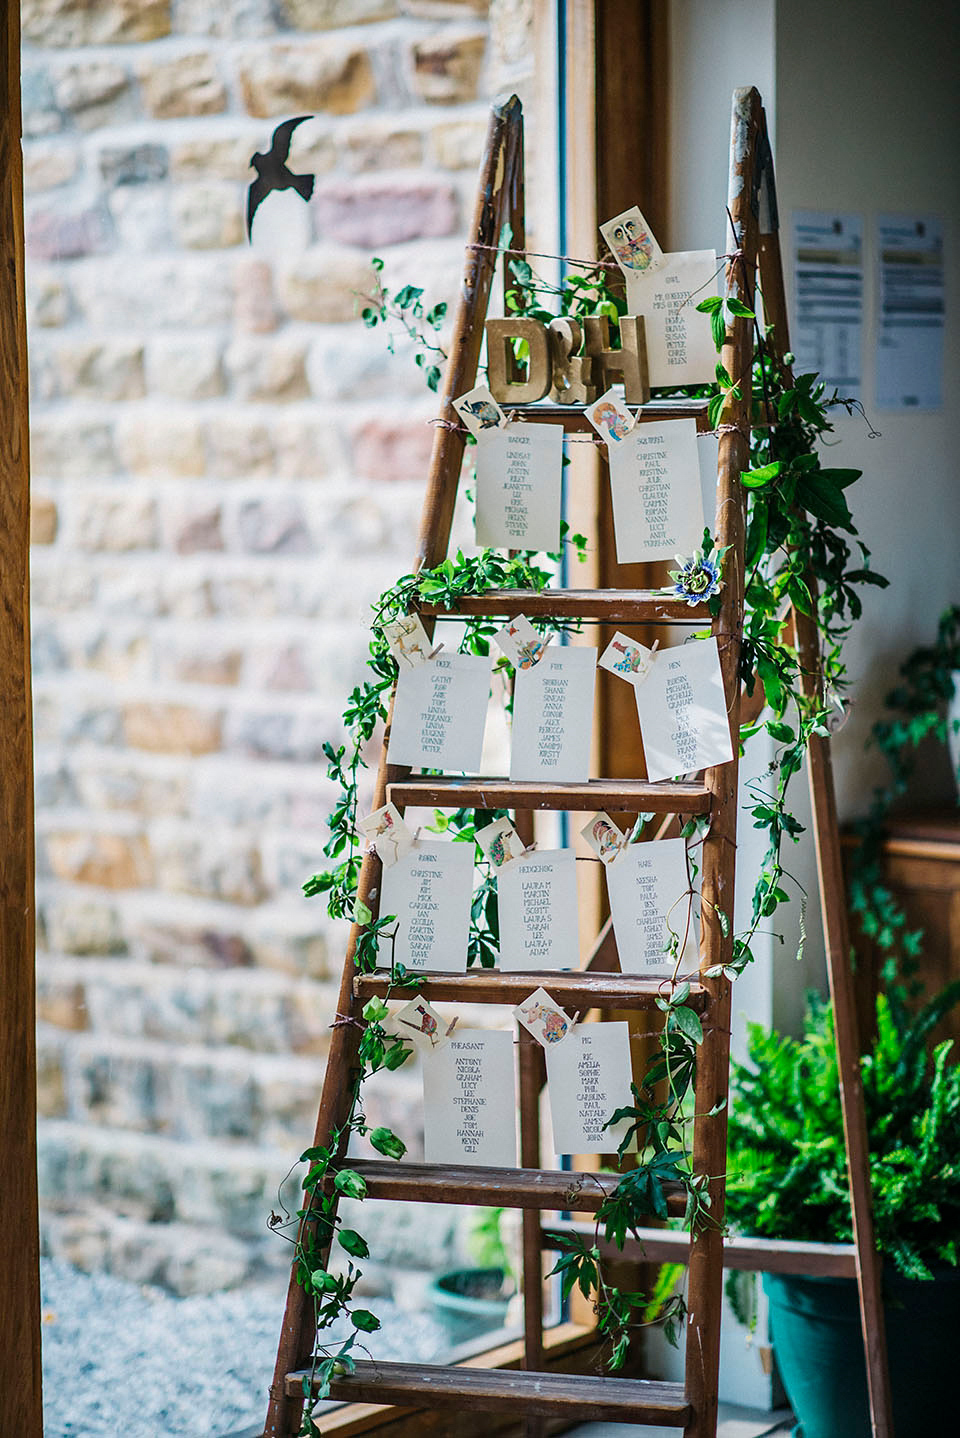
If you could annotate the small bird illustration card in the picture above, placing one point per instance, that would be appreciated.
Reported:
(407, 641)
(683, 711)
(603, 836)
(680, 347)
(553, 716)
(628, 658)
(544, 1019)
(389, 836)
(470, 1100)
(648, 890)
(632, 243)
(430, 891)
(655, 485)
(419, 1022)
(439, 713)
(519, 473)
(521, 643)
(479, 411)
(537, 907)
(588, 1078)
(611, 418)
(500, 842)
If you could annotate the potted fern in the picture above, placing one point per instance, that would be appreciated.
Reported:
(787, 1179)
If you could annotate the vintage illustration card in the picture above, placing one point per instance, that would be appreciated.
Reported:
(407, 641)
(627, 658)
(470, 1100)
(603, 836)
(521, 643)
(440, 712)
(611, 418)
(632, 243)
(655, 486)
(419, 1022)
(519, 472)
(680, 348)
(389, 836)
(544, 1019)
(500, 842)
(479, 411)
(430, 891)
(537, 905)
(648, 889)
(588, 1077)
(553, 716)
(683, 712)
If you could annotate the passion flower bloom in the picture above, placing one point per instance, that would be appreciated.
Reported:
(697, 579)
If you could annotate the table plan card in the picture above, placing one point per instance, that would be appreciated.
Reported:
(655, 485)
(430, 890)
(553, 717)
(648, 889)
(440, 712)
(469, 1100)
(683, 712)
(588, 1078)
(680, 348)
(537, 901)
(519, 471)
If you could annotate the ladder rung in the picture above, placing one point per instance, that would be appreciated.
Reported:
(571, 990)
(618, 796)
(614, 606)
(574, 420)
(750, 1255)
(544, 1188)
(497, 1390)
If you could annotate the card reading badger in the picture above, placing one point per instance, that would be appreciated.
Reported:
(655, 486)
(611, 418)
(537, 908)
(519, 477)
(628, 658)
(521, 643)
(440, 712)
(648, 889)
(479, 411)
(388, 834)
(680, 348)
(419, 1022)
(603, 836)
(683, 712)
(544, 1019)
(470, 1100)
(553, 716)
(430, 890)
(407, 641)
(631, 241)
(500, 842)
(588, 1078)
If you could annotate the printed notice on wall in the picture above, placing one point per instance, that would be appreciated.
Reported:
(518, 486)
(680, 348)
(828, 283)
(682, 711)
(553, 717)
(588, 1077)
(910, 312)
(469, 1100)
(655, 484)
(537, 900)
(649, 896)
(440, 712)
(430, 890)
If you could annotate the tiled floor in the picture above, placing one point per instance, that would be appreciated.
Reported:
(734, 1423)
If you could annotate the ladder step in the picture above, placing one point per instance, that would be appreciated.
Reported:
(543, 1188)
(572, 990)
(574, 420)
(613, 606)
(750, 1255)
(497, 1390)
(623, 796)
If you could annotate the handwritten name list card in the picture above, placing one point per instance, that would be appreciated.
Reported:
(553, 717)
(648, 889)
(518, 486)
(683, 712)
(588, 1077)
(680, 348)
(469, 1101)
(655, 484)
(537, 898)
(430, 890)
(440, 712)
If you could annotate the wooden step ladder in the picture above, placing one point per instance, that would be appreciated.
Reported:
(533, 1395)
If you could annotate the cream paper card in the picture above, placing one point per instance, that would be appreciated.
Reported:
(500, 843)
(603, 836)
(627, 658)
(537, 901)
(440, 712)
(632, 243)
(470, 1101)
(655, 484)
(479, 411)
(521, 643)
(683, 712)
(680, 348)
(419, 1022)
(430, 891)
(519, 472)
(588, 1077)
(407, 641)
(544, 1019)
(553, 717)
(648, 888)
(610, 417)
(388, 834)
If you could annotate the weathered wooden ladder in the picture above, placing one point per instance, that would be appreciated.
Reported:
(531, 1395)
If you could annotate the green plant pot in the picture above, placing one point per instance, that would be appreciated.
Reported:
(468, 1302)
(815, 1326)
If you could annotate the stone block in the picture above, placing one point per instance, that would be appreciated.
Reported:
(458, 144)
(43, 519)
(254, 308)
(64, 447)
(274, 526)
(190, 292)
(40, 113)
(117, 526)
(160, 441)
(48, 653)
(393, 449)
(215, 866)
(267, 370)
(95, 93)
(111, 861)
(373, 213)
(208, 217)
(120, 786)
(54, 784)
(324, 285)
(49, 304)
(195, 529)
(187, 85)
(172, 728)
(45, 166)
(240, 447)
(230, 19)
(78, 22)
(383, 147)
(58, 234)
(100, 369)
(444, 9)
(60, 1003)
(447, 68)
(82, 926)
(51, 1085)
(184, 368)
(287, 669)
(332, 14)
(141, 219)
(214, 156)
(294, 79)
(209, 662)
(272, 734)
(64, 586)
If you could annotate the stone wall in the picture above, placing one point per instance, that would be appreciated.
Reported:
(227, 467)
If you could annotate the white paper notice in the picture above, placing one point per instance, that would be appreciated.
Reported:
(440, 712)
(828, 324)
(588, 1077)
(911, 312)
(469, 1101)
(519, 472)
(430, 891)
(648, 889)
(655, 484)
(537, 899)
(553, 717)
(682, 711)
(680, 348)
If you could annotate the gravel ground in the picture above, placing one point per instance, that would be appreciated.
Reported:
(125, 1361)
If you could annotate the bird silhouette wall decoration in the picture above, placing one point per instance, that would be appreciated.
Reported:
(273, 172)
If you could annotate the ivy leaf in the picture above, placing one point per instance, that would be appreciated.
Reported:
(688, 1022)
